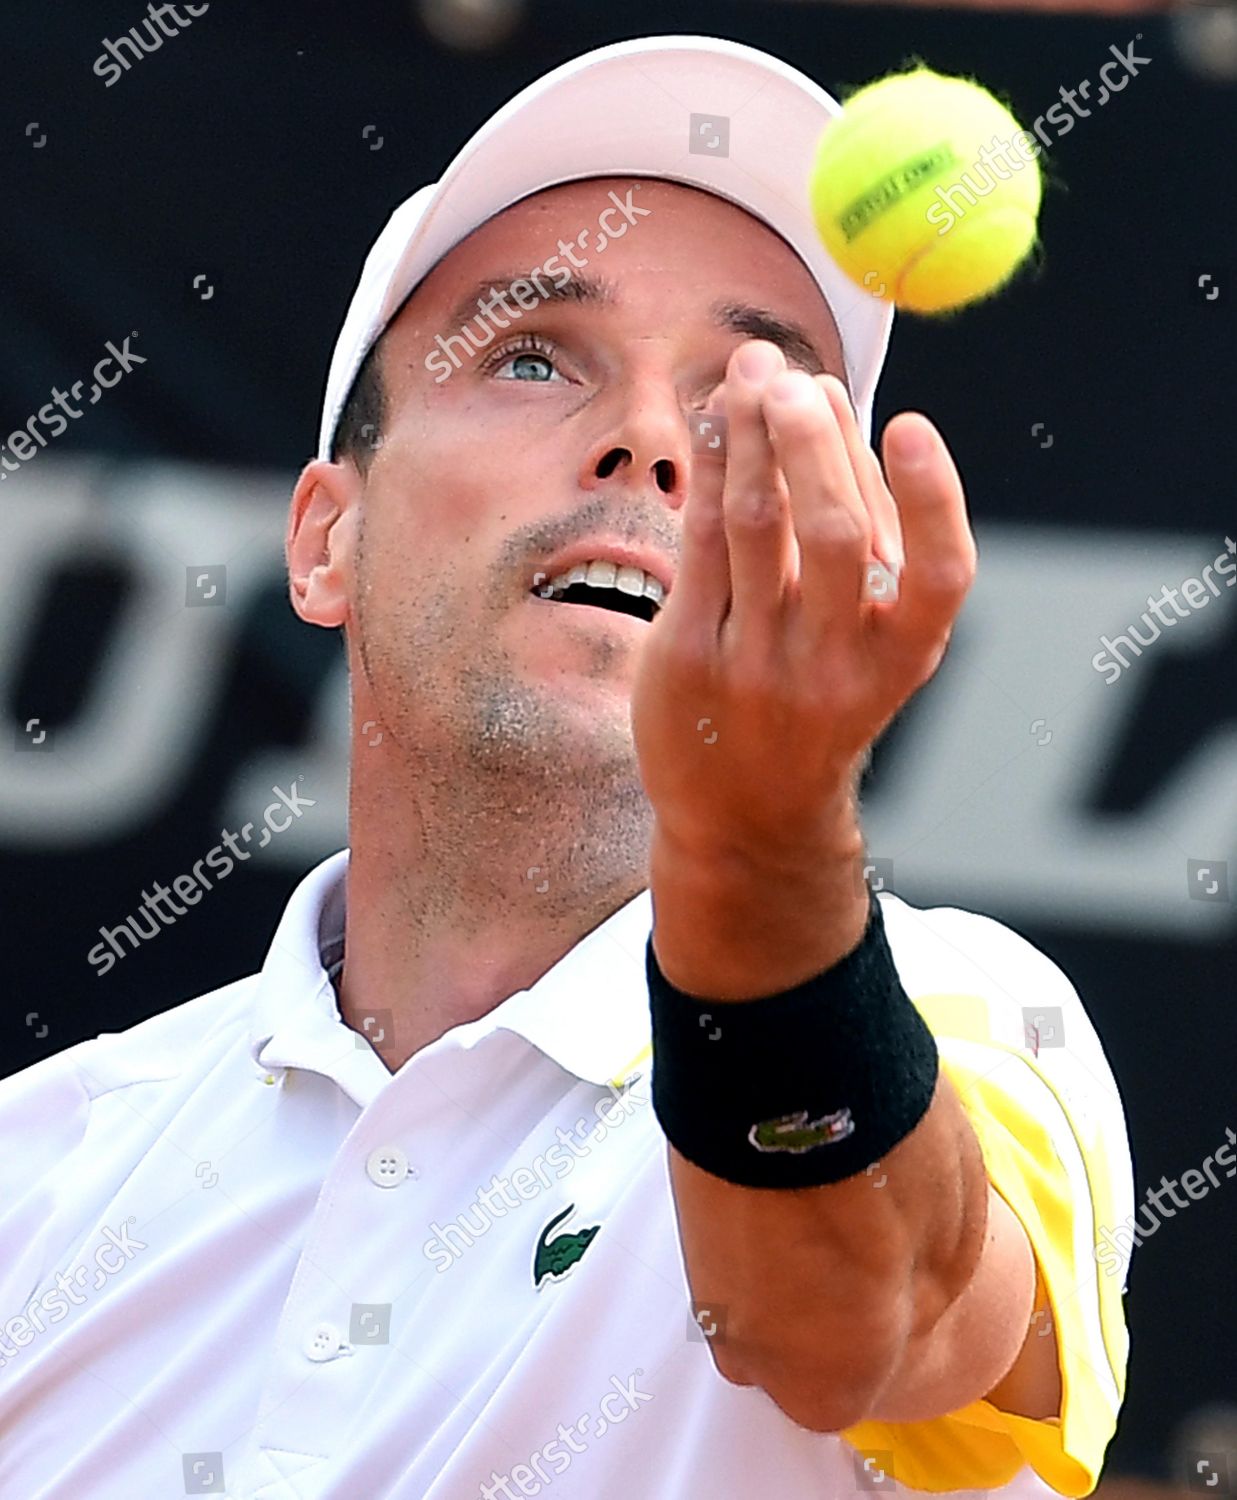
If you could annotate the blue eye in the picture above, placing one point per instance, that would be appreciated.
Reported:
(525, 357)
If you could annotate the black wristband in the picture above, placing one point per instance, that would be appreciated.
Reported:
(798, 1089)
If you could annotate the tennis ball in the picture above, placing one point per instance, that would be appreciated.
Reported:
(925, 190)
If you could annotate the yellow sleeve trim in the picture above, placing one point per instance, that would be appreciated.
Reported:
(979, 1446)
(637, 1062)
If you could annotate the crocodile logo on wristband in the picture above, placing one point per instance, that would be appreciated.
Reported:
(797, 1133)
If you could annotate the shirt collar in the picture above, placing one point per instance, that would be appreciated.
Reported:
(589, 1012)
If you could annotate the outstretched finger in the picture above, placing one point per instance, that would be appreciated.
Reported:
(940, 549)
(699, 601)
(886, 526)
(755, 503)
(832, 524)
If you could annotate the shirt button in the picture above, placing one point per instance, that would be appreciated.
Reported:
(387, 1166)
(323, 1342)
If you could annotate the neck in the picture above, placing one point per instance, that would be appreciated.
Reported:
(462, 893)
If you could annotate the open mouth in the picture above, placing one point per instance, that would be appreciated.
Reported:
(622, 590)
(641, 608)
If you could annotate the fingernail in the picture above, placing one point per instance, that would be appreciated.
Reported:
(757, 361)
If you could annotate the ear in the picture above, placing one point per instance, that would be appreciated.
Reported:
(321, 540)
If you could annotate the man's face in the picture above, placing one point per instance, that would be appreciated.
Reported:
(564, 437)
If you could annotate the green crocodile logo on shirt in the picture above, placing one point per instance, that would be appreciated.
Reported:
(797, 1133)
(561, 1253)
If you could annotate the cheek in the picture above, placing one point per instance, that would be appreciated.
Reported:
(446, 502)
(426, 560)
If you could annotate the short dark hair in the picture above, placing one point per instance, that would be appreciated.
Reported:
(359, 431)
(366, 406)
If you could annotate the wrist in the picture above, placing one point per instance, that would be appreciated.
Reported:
(831, 840)
(734, 923)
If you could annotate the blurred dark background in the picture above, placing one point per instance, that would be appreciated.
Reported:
(215, 204)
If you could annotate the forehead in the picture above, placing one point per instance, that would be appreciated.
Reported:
(688, 246)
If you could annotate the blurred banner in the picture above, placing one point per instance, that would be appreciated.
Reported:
(181, 237)
(985, 795)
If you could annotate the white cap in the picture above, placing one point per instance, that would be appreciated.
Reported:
(709, 113)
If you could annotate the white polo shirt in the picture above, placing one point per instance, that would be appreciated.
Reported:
(238, 1256)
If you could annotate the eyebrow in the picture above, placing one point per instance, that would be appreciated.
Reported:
(760, 323)
(595, 291)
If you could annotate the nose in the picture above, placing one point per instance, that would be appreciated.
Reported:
(645, 447)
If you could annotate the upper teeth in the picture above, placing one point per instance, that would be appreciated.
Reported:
(600, 574)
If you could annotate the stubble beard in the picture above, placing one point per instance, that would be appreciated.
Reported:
(519, 807)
